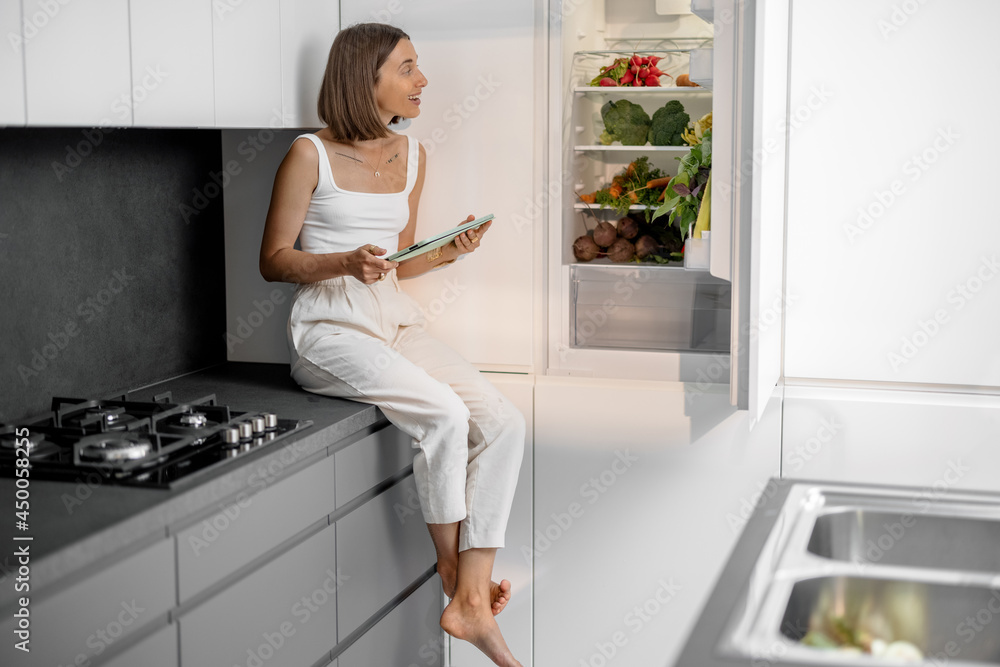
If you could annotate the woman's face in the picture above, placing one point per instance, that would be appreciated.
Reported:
(399, 84)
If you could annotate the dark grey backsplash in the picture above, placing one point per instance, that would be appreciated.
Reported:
(111, 267)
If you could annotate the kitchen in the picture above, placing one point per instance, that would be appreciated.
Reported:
(136, 170)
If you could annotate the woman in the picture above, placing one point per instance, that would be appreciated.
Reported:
(349, 193)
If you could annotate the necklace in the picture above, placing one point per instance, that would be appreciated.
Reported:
(389, 161)
(375, 169)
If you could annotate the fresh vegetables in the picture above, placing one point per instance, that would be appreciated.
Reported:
(625, 122)
(631, 187)
(697, 129)
(684, 194)
(633, 72)
(668, 125)
(685, 80)
(704, 221)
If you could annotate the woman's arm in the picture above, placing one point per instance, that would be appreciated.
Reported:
(463, 243)
(279, 260)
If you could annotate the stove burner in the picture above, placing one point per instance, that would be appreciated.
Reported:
(194, 419)
(34, 443)
(115, 449)
(103, 417)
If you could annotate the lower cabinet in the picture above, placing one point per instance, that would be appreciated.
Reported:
(157, 650)
(410, 634)
(284, 613)
(382, 547)
(77, 624)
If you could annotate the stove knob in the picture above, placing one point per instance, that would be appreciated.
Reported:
(246, 430)
(270, 420)
(258, 425)
(231, 435)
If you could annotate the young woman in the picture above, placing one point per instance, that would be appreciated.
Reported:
(349, 193)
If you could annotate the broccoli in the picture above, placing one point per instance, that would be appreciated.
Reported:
(669, 122)
(624, 121)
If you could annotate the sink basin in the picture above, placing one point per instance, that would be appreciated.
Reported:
(908, 540)
(830, 560)
(928, 615)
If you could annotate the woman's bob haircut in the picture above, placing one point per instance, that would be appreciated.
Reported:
(347, 95)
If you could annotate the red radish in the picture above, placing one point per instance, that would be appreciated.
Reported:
(638, 82)
(635, 60)
(652, 81)
(606, 81)
(627, 78)
(655, 71)
(654, 59)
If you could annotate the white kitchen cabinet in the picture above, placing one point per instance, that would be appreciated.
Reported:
(172, 73)
(891, 276)
(77, 63)
(930, 440)
(641, 490)
(308, 28)
(247, 57)
(481, 119)
(12, 66)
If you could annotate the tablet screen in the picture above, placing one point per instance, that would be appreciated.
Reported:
(436, 241)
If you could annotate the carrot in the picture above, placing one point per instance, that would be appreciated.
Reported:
(616, 190)
(590, 199)
(659, 182)
(634, 197)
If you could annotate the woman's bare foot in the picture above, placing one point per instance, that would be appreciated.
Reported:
(468, 618)
(499, 593)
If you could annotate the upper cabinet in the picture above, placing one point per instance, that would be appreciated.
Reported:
(77, 62)
(11, 66)
(172, 77)
(186, 63)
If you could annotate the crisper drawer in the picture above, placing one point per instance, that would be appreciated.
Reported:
(382, 547)
(650, 308)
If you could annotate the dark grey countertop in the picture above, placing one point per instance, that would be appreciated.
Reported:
(77, 527)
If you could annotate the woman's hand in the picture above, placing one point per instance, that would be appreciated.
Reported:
(364, 264)
(469, 240)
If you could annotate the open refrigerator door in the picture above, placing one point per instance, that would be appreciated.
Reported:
(646, 279)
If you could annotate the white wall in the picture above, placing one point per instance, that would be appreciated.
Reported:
(892, 241)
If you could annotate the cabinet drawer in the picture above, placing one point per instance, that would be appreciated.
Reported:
(247, 527)
(372, 459)
(410, 634)
(157, 650)
(86, 618)
(285, 613)
(382, 547)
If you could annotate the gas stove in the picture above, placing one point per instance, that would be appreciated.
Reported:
(156, 444)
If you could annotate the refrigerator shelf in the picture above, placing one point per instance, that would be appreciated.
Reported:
(634, 149)
(596, 207)
(630, 90)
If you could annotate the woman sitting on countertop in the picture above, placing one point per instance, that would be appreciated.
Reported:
(350, 193)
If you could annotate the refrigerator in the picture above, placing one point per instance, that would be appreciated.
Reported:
(714, 319)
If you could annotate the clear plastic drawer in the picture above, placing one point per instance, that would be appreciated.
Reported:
(649, 308)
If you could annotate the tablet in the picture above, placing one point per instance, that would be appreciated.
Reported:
(436, 241)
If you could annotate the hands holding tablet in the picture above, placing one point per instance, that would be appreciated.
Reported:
(469, 240)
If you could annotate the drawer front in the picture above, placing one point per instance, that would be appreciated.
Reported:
(368, 461)
(410, 634)
(158, 650)
(285, 613)
(247, 527)
(382, 547)
(86, 618)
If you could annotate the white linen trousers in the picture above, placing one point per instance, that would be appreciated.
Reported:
(368, 343)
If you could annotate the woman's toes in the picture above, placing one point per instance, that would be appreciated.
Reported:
(500, 594)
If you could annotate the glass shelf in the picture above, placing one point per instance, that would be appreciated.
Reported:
(643, 149)
(642, 90)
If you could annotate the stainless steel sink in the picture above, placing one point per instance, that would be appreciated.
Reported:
(857, 562)
(947, 542)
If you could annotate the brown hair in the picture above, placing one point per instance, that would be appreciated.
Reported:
(347, 95)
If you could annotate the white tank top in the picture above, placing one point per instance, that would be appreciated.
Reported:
(341, 220)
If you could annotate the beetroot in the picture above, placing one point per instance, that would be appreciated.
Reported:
(604, 234)
(628, 228)
(584, 249)
(646, 246)
(621, 250)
